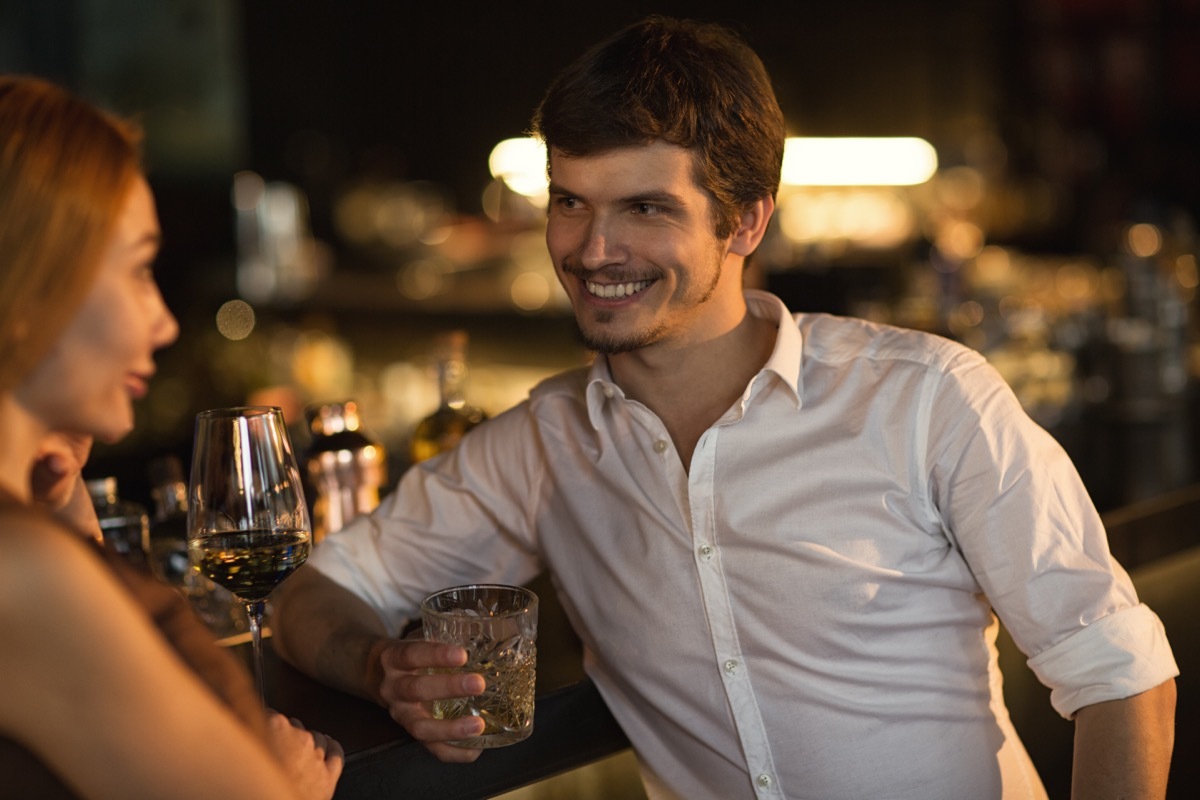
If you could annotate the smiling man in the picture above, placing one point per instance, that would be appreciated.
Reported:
(784, 539)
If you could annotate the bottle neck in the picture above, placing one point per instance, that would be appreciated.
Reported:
(170, 498)
(452, 379)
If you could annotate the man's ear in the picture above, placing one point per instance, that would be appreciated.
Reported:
(752, 226)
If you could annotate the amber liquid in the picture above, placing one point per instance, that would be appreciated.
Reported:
(506, 705)
(250, 563)
(442, 430)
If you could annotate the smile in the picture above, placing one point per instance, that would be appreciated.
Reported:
(610, 291)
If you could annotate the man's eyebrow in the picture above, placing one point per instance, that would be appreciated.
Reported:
(654, 196)
(647, 196)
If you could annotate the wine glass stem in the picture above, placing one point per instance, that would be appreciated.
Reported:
(254, 611)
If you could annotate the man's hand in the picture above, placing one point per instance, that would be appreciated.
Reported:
(408, 687)
(329, 633)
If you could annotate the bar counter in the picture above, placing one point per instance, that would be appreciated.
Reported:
(572, 727)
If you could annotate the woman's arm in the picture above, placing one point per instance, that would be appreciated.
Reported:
(101, 698)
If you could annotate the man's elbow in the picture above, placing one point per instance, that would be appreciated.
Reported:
(288, 612)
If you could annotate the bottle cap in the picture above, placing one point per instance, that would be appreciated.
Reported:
(450, 345)
(326, 419)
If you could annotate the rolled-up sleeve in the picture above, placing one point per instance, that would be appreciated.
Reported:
(462, 517)
(1014, 503)
(1118, 656)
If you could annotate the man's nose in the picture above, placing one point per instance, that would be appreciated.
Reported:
(600, 246)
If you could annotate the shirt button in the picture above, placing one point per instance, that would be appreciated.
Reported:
(608, 392)
(660, 446)
(731, 666)
(764, 781)
(706, 551)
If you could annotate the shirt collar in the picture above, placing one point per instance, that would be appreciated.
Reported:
(785, 357)
(784, 361)
(600, 389)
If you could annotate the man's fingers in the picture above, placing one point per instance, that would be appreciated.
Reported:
(421, 655)
(451, 754)
(410, 688)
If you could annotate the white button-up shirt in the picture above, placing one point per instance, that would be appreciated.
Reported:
(807, 611)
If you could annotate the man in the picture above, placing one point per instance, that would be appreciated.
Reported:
(779, 537)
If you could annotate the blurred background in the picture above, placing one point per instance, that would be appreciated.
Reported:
(329, 205)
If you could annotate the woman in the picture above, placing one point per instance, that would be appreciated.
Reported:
(110, 687)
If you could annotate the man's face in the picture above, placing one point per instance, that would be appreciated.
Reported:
(631, 236)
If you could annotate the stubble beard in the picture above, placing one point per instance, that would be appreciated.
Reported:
(610, 343)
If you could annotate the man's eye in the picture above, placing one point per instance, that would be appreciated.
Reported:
(644, 209)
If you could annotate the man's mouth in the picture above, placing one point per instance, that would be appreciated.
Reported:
(615, 291)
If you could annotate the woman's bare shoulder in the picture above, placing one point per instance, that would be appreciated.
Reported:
(30, 536)
(43, 564)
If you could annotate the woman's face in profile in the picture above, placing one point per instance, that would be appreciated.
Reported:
(105, 357)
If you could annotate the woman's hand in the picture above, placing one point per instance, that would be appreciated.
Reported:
(57, 470)
(57, 481)
(312, 760)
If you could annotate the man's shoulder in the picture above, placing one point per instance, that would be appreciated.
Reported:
(832, 338)
(569, 385)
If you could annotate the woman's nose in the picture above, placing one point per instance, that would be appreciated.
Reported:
(166, 330)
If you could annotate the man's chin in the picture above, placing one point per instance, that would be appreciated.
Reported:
(611, 343)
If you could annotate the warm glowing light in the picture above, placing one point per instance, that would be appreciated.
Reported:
(235, 320)
(521, 164)
(420, 280)
(867, 217)
(905, 161)
(1145, 240)
(959, 240)
(1186, 271)
(530, 291)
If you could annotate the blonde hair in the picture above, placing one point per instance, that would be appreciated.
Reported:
(65, 168)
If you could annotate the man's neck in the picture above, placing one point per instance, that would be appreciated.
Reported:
(689, 386)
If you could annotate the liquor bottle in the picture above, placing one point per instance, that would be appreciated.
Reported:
(443, 429)
(344, 468)
(167, 541)
(167, 551)
(124, 524)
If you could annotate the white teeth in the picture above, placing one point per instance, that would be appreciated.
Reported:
(615, 290)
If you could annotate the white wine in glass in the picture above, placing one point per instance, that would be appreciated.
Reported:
(248, 524)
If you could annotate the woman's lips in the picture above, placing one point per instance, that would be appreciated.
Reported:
(137, 385)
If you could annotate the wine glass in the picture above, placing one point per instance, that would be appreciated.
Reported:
(248, 524)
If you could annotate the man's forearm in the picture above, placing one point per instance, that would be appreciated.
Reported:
(1123, 747)
(328, 633)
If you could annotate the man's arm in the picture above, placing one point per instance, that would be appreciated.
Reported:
(329, 633)
(1123, 747)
